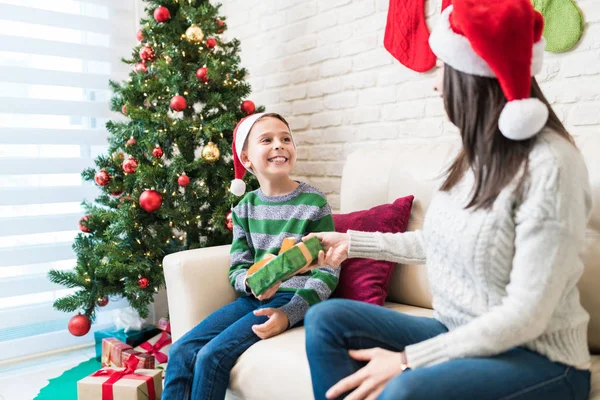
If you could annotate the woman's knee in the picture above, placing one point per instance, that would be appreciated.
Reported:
(401, 387)
(324, 315)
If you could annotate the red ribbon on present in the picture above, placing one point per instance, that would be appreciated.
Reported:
(129, 373)
(164, 340)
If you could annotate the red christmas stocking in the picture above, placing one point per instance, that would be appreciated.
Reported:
(406, 35)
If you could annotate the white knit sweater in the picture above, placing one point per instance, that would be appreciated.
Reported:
(505, 276)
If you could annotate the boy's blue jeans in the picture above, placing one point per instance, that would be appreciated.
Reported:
(335, 326)
(201, 360)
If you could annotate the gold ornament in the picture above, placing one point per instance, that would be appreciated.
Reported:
(210, 152)
(118, 156)
(194, 34)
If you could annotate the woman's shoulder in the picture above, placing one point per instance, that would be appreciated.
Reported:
(554, 153)
(557, 170)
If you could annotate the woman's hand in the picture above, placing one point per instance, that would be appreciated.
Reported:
(336, 247)
(369, 381)
(277, 323)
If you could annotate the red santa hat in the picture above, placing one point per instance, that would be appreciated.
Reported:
(500, 39)
(240, 134)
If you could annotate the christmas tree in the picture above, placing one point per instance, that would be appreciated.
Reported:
(165, 180)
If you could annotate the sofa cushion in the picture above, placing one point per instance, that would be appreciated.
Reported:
(365, 279)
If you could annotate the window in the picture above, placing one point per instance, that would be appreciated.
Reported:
(56, 58)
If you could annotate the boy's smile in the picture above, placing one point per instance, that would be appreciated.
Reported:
(278, 160)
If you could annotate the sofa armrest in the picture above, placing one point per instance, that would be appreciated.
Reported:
(197, 284)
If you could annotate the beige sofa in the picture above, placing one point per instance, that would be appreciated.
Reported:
(277, 368)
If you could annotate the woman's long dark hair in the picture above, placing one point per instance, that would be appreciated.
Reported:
(473, 104)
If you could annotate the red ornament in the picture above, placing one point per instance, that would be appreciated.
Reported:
(183, 180)
(178, 103)
(117, 193)
(124, 109)
(229, 221)
(83, 224)
(143, 283)
(102, 302)
(248, 107)
(147, 53)
(140, 35)
(141, 67)
(150, 200)
(202, 73)
(79, 325)
(162, 14)
(130, 165)
(102, 178)
(211, 43)
(221, 25)
(130, 142)
(157, 152)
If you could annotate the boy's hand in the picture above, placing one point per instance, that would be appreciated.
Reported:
(267, 294)
(270, 292)
(277, 323)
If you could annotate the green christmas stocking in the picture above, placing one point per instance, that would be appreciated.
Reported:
(563, 23)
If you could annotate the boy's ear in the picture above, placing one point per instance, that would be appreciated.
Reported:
(245, 160)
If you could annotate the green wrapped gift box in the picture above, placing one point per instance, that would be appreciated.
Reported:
(284, 265)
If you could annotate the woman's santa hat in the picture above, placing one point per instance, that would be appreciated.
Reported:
(499, 39)
(240, 134)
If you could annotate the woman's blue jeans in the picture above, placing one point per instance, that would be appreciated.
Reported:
(335, 326)
(200, 362)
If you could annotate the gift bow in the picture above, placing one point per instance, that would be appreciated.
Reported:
(128, 372)
(164, 340)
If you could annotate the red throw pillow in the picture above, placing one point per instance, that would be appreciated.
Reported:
(364, 279)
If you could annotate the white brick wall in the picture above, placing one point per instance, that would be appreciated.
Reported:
(321, 63)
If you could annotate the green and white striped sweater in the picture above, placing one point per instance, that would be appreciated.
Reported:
(260, 223)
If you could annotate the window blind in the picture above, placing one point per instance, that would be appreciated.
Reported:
(56, 58)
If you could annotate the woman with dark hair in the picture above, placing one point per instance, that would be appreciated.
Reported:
(501, 241)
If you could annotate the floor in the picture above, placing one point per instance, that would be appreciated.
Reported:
(24, 380)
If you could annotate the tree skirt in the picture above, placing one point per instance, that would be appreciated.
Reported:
(64, 387)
